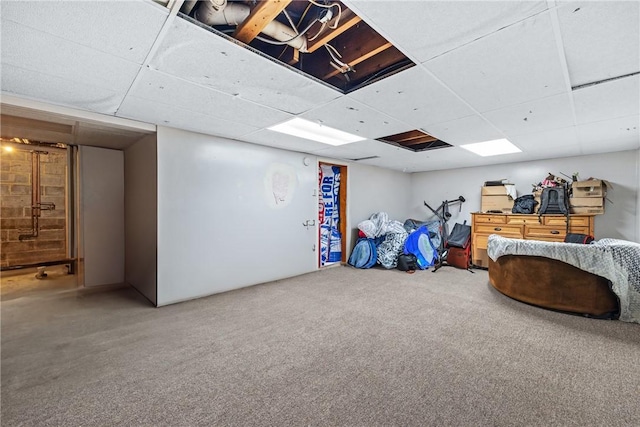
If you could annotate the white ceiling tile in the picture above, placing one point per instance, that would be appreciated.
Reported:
(280, 140)
(56, 90)
(426, 29)
(174, 92)
(382, 148)
(413, 96)
(352, 116)
(616, 98)
(622, 133)
(172, 116)
(553, 143)
(38, 51)
(514, 65)
(536, 116)
(446, 158)
(601, 39)
(466, 130)
(387, 153)
(202, 57)
(345, 152)
(126, 29)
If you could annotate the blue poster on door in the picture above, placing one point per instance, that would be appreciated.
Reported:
(329, 215)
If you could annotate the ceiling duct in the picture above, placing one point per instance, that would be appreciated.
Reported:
(218, 12)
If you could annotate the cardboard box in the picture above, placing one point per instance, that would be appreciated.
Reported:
(495, 190)
(497, 203)
(593, 210)
(597, 202)
(590, 188)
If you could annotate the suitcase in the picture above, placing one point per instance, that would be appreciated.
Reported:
(459, 257)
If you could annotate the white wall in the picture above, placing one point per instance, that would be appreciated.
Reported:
(220, 226)
(638, 198)
(102, 210)
(373, 189)
(621, 169)
(141, 198)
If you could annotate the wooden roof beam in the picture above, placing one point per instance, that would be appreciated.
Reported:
(260, 16)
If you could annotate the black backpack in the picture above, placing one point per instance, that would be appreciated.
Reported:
(554, 200)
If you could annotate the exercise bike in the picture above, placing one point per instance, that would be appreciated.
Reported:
(443, 215)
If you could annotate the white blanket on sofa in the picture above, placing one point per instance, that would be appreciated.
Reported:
(615, 260)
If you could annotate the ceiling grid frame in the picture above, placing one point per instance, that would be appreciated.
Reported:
(428, 72)
(173, 13)
(597, 112)
(555, 23)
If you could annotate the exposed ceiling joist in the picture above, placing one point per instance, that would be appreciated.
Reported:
(363, 57)
(349, 21)
(414, 140)
(418, 140)
(259, 18)
(301, 34)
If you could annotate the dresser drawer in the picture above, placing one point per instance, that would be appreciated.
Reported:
(578, 221)
(522, 219)
(503, 230)
(579, 230)
(543, 233)
(555, 221)
(547, 239)
(480, 241)
(490, 219)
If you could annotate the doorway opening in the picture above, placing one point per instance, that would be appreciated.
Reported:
(35, 229)
(332, 214)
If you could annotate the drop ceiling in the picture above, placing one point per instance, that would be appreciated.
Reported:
(484, 70)
(324, 40)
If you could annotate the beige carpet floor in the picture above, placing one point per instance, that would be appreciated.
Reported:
(337, 347)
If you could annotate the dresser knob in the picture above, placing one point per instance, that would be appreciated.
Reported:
(555, 232)
(497, 229)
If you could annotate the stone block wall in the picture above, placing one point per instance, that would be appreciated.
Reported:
(15, 181)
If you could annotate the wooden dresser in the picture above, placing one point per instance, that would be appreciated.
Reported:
(516, 226)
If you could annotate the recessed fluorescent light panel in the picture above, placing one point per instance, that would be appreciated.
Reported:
(316, 132)
(492, 148)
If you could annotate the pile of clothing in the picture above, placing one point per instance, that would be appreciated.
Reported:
(381, 241)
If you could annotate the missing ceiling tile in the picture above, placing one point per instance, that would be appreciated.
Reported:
(415, 140)
(324, 40)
